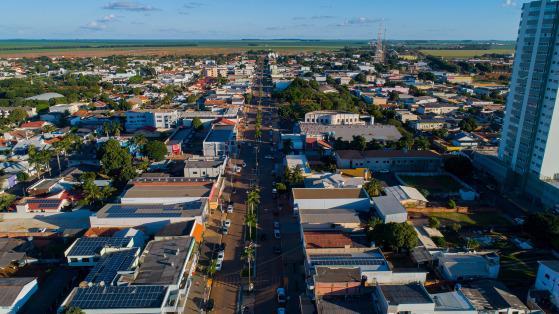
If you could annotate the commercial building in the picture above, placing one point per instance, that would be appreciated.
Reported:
(355, 199)
(204, 167)
(377, 132)
(330, 117)
(395, 160)
(468, 266)
(220, 141)
(167, 190)
(389, 209)
(436, 108)
(156, 118)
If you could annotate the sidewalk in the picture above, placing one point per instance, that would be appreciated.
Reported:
(196, 295)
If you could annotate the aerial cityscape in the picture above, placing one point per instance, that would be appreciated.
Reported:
(291, 157)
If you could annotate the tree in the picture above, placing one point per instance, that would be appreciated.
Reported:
(372, 223)
(212, 268)
(248, 254)
(49, 128)
(139, 140)
(544, 228)
(93, 195)
(22, 176)
(427, 76)
(250, 222)
(155, 150)
(197, 124)
(293, 177)
(439, 241)
(136, 79)
(280, 187)
(451, 203)
(395, 235)
(17, 115)
(434, 222)
(72, 310)
(359, 143)
(468, 125)
(114, 159)
(373, 187)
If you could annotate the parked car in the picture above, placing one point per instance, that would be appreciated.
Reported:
(277, 234)
(230, 208)
(276, 225)
(281, 295)
(281, 310)
(227, 223)
(218, 265)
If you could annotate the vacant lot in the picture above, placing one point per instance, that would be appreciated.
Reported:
(478, 219)
(448, 53)
(434, 184)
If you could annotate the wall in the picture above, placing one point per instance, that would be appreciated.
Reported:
(359, 204)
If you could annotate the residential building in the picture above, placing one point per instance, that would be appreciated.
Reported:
(429, 124)
(396, 160)
(354, 199)
(531, 127)
(297, 161)
(16, 292)
(547, 279)
(156, 118)
(492, 297)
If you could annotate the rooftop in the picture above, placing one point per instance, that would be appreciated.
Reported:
(107, 269)
(326, 239)
(388, 205)
(332, 215)
(328, 274)
(491, 295)
(220, 134)
(365, 259)
(346, 132)
(118, 297)
(168, 191)
(11, 288)
(403, 193)
(93, 246)
(355, 154)
(552, 264)
(163, 261)
(301, 193)
(362, 305)
(405, 294)
(189, 209)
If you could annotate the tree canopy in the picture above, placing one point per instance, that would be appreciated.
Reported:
(155, 150)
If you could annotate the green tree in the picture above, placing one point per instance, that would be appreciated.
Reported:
(197, 124)
(248, 254)
(395, 235)
(468, 125)
(93, 195)
(434, 222)
(373, 187)
(22, 176)
(17, 115)
(212, 268)
(280, 187)
(544, 228)
(136, 79)
(155, 150)
(139, 140)
(451, 204)
(359, 143)
(73, 310)
(191, 98)
(114, 159)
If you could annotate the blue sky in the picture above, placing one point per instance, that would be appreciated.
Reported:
(237, 19)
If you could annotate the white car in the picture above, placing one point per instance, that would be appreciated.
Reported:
(230, 208)
(277, 234)
(227, 223)
(238, 169)
(244, 164)
(276, 225)
(220, 255)
(218, 265)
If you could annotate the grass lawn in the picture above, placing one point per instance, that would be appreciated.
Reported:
(434, 184)
(455, 53)
(481, 219)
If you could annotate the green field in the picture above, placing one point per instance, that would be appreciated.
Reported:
(479, 219)
(456, 53)
(434, 184)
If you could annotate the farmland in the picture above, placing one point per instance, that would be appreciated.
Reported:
(457, 53)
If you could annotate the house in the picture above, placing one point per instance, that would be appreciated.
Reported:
(12, 252)
(329, 219)
(220, 141)
(547, 279)
(410, 298)
(297, 161)
(464, 139)
(467, 266)
(384, 160)
(333, 180)
(6, 111)
(8, 181)
(389, 209)
(16, 292)
(407, 196)
(438, 108)
(34, 125)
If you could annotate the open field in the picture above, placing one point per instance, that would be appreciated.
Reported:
(479, 219)
(455, 53)
(93, 48)
(434, 184)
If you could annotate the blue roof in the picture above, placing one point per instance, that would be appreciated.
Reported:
(119, 297)
(92, 246)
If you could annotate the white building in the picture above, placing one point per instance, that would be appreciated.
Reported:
(333, 117)
(389, 209)
(15, 293)
(548, 279)
(531, 128)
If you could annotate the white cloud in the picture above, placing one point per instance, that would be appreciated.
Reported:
(358, 21)
(509, 3)
(129, 6)
(100, 23)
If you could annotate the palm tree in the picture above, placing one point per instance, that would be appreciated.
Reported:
(248, 254)
(212, 268)
(250, 222)
(253, 199)
(58, 148)
(373, 187)
(139, 140)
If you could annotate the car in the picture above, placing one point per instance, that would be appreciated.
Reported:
(276, 225)
(230, 208)
(224, 230)
(221, 246)
(281, 295)
(209, 305)
(277, 234)
(218, 265)
(227, 223)
(281, 310)
(277, 249)
(220, 255)
(238, 169)
(244, 164)
(269, 157)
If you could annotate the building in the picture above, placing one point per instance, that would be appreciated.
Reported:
(411, 298)
(395, 160)
(15, 293)
(330, 117)
(492, 297)
(407, 196)
(87, 251)
(468, 266)
(354, 199)
(297, 161)
(438, 108)
(429, 124)
(377, 132)
(547, 279)
(220, 141)
(204, 168)
(531, 127)
(156, 118)
(389, 209)
(167, 190)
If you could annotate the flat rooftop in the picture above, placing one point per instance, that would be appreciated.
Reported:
(219, 134)
(162, 261)
(203, 163)
(334, 215)
(189, 209)
(361, 305)
(301, 193)
(93, 246)
(118, 297)
(329, 274)
(355, 154)
(405, 294)
(168, 191)
(346, 132)
(368, 260)
(388, 205)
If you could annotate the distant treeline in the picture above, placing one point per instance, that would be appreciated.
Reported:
(54, 47)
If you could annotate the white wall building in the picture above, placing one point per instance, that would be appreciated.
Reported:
(548, 279)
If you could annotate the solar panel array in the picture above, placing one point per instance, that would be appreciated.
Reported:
(111, 297)
(92, 246)
(326, 260)
(107, 269)
(45, 202)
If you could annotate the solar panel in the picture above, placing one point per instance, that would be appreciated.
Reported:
(92, 246)
(342, 260)
(110, 297)
(107, 269)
